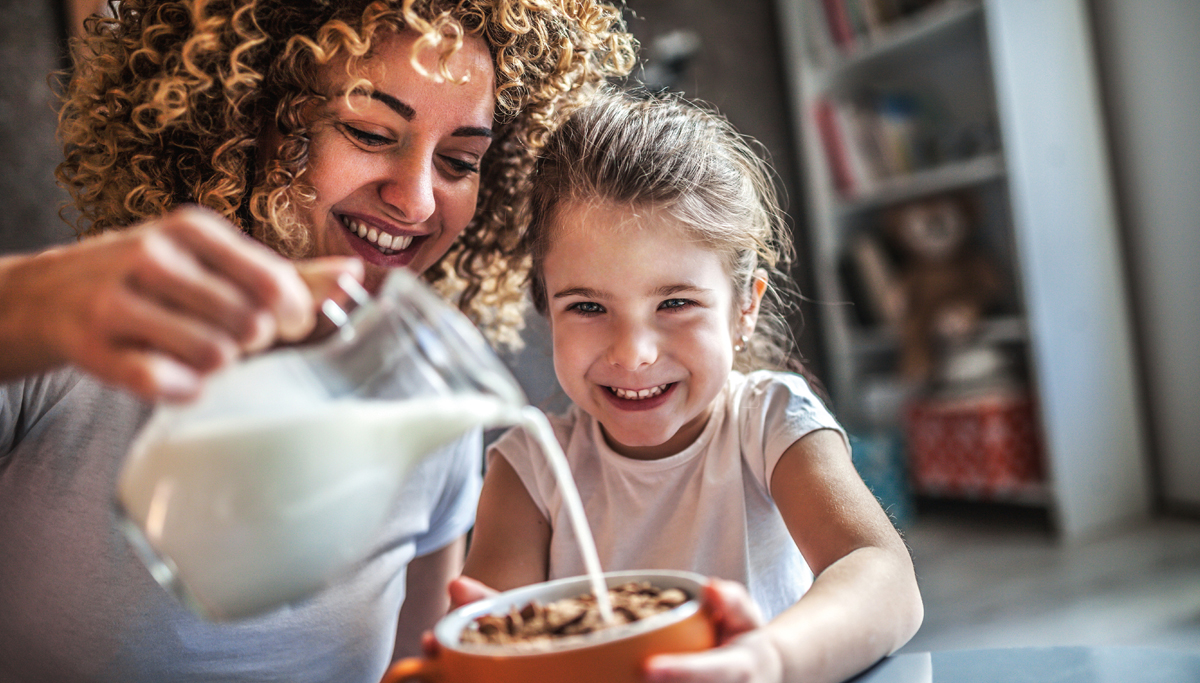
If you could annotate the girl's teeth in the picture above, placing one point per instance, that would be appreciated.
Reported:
(629, 394)
(386, 242)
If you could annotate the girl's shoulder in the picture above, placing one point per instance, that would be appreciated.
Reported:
(520, 438)
(759, 386)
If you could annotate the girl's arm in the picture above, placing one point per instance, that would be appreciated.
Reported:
(510, 546)
(864, 603)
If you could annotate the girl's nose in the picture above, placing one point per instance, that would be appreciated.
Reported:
(633, 347)
(409, 187)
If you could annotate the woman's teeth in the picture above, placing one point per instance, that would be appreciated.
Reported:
(641, 394)
(385, 242)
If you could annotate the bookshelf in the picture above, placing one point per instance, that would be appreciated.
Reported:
(993, 103)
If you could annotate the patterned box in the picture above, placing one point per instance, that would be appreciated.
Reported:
(985, 446)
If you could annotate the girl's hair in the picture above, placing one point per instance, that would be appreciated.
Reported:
(683, 159)
(169, 101)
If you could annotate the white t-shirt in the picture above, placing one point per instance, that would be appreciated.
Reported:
(706, 509)
(77, 605)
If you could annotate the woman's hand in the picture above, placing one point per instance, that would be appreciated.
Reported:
(743, 652)
(156, 307)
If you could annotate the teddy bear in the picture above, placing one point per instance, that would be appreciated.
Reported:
(939, 286)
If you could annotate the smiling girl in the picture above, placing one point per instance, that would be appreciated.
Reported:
(655, 230)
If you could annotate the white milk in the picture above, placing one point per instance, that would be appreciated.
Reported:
(250, 512)
(533, 420)
(245, 513)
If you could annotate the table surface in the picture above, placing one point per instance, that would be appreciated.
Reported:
(1039, 665)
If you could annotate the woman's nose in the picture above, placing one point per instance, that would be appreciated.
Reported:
(633, 347)
(409, 187)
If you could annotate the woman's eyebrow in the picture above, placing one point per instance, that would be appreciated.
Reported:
(408, 113)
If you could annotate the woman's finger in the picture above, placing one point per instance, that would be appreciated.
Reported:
(266, 277)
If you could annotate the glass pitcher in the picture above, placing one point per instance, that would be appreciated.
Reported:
(279, 476)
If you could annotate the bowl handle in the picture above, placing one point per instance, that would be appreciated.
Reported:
(414, 668)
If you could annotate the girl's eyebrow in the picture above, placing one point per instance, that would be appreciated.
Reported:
(408, 113)
(668, 290)
(589, 293)
(585, 292)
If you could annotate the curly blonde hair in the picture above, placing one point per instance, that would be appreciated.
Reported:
(171, 98)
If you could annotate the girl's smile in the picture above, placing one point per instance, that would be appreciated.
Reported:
(642, 323)
(643, 399)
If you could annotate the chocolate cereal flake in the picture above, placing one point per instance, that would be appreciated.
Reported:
(536, 624)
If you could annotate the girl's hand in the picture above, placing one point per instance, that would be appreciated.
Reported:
(743, 652)
(464, 590)
(156, 307)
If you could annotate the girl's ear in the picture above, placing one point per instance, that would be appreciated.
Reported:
(758, 287)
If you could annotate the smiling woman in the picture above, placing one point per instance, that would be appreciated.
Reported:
(395, 168)
(318, 139)
(216, 103)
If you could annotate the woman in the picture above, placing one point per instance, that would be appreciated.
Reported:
(398, 134)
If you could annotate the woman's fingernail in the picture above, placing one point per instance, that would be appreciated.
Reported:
(176, 381)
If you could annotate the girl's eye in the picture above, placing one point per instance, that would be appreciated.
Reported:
(586, 308)
(675, 303)
(365, 138)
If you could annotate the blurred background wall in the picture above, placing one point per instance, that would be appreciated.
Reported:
(1149, 59)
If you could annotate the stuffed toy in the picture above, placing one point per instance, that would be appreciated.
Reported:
(941, 285)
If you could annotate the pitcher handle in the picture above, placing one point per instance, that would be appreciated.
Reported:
(357, 294)
(418, 668)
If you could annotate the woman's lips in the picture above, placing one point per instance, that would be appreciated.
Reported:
(379, 246)
(387, 243)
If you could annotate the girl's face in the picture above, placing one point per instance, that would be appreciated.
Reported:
(643, 323)
(396, 171)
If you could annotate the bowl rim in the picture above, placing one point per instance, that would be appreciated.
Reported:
(449, 628)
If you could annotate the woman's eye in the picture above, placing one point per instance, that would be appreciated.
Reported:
(368, 139)
(461, 167)
(586, 308)
(675, 303)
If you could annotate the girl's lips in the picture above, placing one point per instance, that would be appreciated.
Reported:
(653, 397)
(367, 241)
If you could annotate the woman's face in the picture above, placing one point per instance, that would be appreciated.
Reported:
(396, 171)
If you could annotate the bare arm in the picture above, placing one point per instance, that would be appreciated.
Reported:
(511, 543)
(425, 597)
(864, 602)
(155, 307)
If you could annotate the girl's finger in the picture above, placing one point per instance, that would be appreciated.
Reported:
(464, 590)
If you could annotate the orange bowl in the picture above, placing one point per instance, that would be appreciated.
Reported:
(613, 655)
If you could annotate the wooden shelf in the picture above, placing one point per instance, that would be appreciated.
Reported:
(943, 178)
(938, 22)
(998, 330)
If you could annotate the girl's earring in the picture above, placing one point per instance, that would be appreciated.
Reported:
(741, 344)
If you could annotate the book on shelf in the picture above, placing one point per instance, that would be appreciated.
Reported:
(854, 24)
(871, 139)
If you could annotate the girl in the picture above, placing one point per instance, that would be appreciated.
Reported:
(654, 226)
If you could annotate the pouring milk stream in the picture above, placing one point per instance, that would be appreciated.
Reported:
(279, 476)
